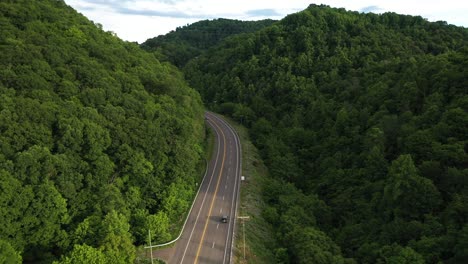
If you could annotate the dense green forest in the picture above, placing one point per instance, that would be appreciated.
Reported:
(187, 42)
(362, 120)
(99, 141)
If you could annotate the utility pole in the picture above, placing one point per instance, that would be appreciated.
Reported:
(243, 228)
(151, 249)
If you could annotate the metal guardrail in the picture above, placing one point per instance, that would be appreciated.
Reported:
(188, 215)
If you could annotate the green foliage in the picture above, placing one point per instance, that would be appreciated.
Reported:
(93, 131)
(361, 121)
(395, 254)
(46, 213)
(84, 254)
(116, 241)
(462, 245)
(159, 224)
(312, 246)
(8, 254)
(406, 193)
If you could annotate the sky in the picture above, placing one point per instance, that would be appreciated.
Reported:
(139, 20)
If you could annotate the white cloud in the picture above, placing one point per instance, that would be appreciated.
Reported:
(138, 20)
(136, 27)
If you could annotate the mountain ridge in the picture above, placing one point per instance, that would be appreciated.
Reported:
(187, 42)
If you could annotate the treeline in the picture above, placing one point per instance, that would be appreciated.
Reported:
(362, 121)
(99, 141)
(187, 42)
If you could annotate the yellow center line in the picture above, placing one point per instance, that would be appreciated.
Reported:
(216, 191)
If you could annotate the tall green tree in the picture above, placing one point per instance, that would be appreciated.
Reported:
(84, 254)
(407, 194)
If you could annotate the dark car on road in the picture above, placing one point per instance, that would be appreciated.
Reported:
(224, 218)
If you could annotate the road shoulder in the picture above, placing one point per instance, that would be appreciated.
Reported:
(259, 239)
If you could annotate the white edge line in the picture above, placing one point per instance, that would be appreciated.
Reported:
(235, 190)
(239, 172)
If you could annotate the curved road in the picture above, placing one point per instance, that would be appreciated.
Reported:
(205, 238)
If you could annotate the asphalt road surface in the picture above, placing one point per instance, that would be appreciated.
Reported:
(205, 238)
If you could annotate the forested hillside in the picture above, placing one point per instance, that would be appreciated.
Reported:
(362, 120)
(187, 42)
(99, 141)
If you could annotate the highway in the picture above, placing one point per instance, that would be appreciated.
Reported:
(205, 238)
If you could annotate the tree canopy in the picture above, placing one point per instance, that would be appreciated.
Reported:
(95, 137)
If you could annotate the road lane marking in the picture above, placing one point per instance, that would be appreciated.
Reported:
(221, 210)
(235, 192)
(214, 196)
(213, 245)
(217, 226)
(223, 197)
(234, 202)
(203, 201)
(225, 186)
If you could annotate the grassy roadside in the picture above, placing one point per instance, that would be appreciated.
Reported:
(259, 239)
